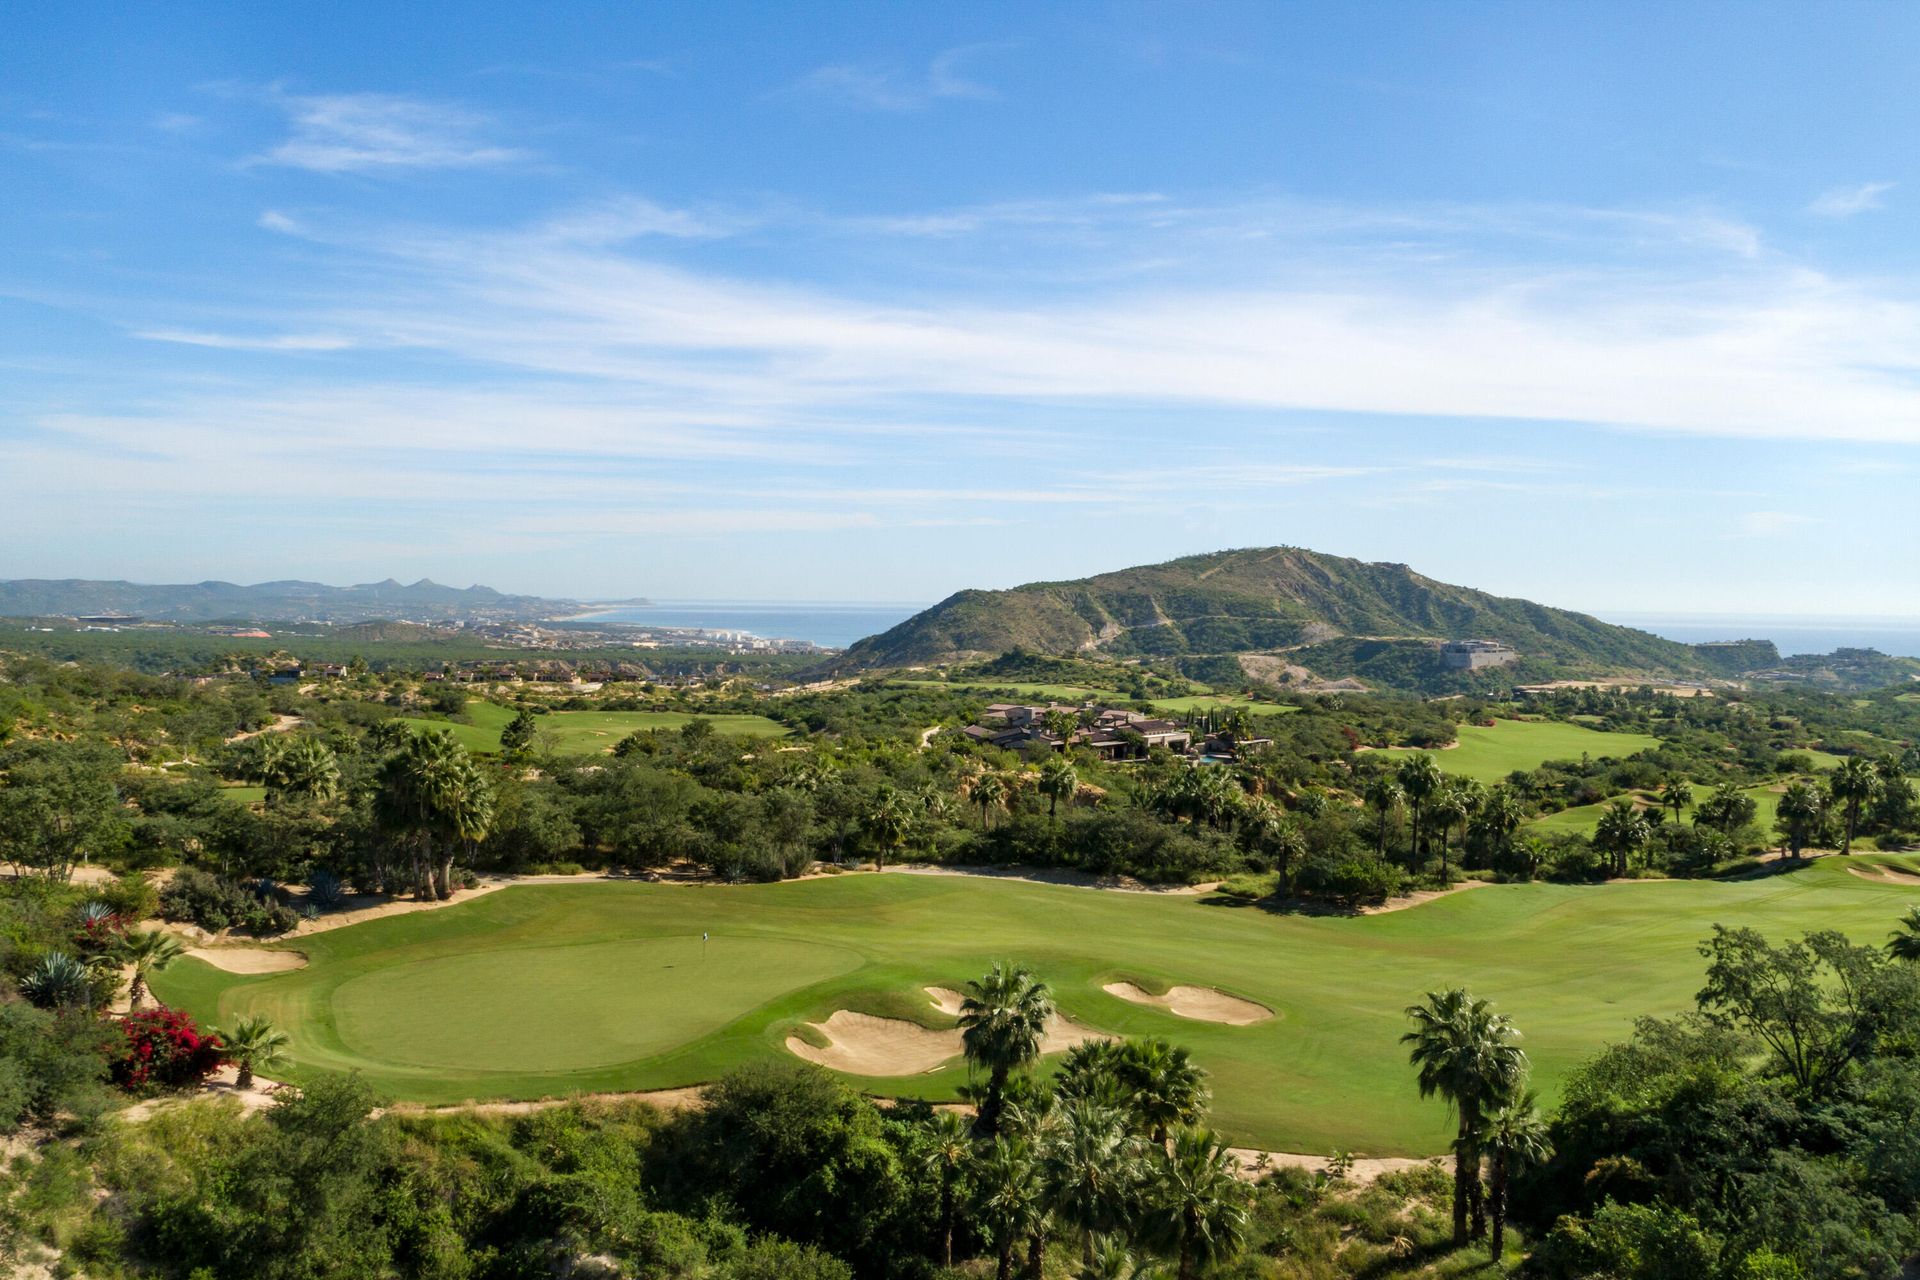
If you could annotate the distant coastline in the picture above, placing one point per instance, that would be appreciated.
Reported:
(832, 624)
(1894, 636)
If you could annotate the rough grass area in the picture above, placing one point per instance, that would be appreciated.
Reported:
(1490, 754)
(549, 989)
(1585, 819)
(586, 733)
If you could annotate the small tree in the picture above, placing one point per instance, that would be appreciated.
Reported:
(253, 1043)
(148, 951)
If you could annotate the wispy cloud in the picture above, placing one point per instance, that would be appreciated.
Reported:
(892, 89)
(249, 342)
(374, 132)
(1845, 202)
(1771, 524)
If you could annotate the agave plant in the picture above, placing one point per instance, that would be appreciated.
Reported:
(325, 890)
(59, 981)
(95, 914)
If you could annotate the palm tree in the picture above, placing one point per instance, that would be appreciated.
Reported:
(1497, 818)
(1058, 781)
(1420, 779)
(148, 951)
(1452, 807)
(1801, 814)
(1623, 829)
(887, 823)
(1383, 796)
(1198, 1206)
(989, 792)
(1162, 1085)
(946, 1158)
(1465, 1053)
(1009, 1198)
(305, 769)
(253, 1043)
(1002, 1021)
(1515, 1139)
(1676, 793)
(1092, 1170)
(1853, 783)
(429, 789)
(1905, 942)
(58, 982)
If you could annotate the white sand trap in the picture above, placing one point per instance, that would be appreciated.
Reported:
(1203, 1004)
(249, 959)
(862, 1045)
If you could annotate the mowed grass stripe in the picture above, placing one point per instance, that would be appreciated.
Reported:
(1574, 965)
(1490, 753)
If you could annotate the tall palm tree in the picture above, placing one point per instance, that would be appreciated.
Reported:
(1854, 782)
(1198, 1206)
(1801, 814)
(253, 1043)
(1466, 1053)
(1905, 942)
(430, 790)
(1162, 1085)
(1092, 1170)
(946, 1158)
(1002, 1020)
(1497, 818)
(1009, 1198)
(989, 792)
(1676, 793)
(887, 822)
(1058, 781)
(1420, 779)
(1515, 1139)
(148, 951)
(1383, 796)
(1452, 806)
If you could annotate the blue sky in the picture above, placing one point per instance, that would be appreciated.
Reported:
(1613, 306)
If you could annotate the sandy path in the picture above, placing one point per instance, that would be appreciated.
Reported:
(1424, 895)
(1203, 1004)
(1364, 1169)
(281, 724)
(249, 959)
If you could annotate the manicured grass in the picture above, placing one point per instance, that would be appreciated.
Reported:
(1222, 701)
(244, 794)
(1585, 819)
(1070, 693)
(585, 733)
(1490, 754)
(550, 989)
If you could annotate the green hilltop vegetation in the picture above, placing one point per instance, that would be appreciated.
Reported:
(1287, 615)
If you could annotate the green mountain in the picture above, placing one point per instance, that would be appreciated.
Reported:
(1303, 609)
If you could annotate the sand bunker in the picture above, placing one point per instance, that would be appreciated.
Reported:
(249, 959)
(1883, 874)
(1203, 1004)
(946, 1000)
(862, 1045)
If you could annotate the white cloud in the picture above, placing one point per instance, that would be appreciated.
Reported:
(371, 132)
(1845, 202)
(1770, 524)
(249, 342)
(890, 89)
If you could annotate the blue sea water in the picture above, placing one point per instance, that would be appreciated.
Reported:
(832, 624)
(1898, 637)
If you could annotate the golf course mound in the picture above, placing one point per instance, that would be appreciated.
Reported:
(250, 959)
(1202, 1004)
(861, 1044)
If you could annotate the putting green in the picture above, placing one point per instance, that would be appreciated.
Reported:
(1489, 753)
(552, 989)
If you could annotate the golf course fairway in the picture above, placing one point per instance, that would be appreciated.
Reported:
(552, 989)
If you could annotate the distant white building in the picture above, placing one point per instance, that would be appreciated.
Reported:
(1473, 655)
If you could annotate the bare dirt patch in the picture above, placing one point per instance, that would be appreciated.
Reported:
(1203, 1004)
(249, 959)
(861, 1044)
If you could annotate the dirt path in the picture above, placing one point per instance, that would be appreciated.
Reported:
(281, 724)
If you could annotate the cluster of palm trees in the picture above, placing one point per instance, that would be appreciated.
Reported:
(437, 800)
(1439, 806)
(1469, 1056)
(296, 768)
(1111, 1158)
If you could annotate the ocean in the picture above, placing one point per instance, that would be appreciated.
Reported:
(1898, 637)
(832, 624)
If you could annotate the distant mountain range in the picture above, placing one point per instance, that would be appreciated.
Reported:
(287, 601)
(1286, 615)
